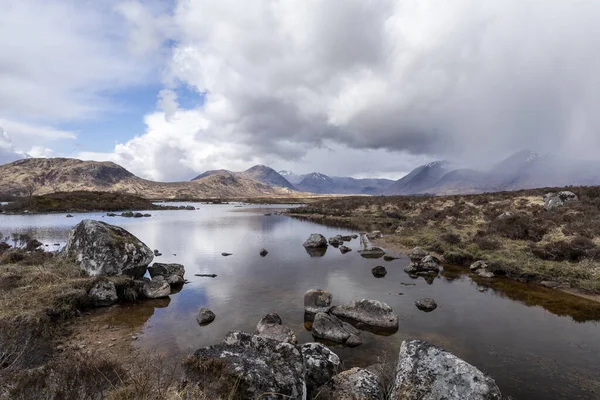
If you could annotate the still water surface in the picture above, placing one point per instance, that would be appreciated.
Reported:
(536, 343)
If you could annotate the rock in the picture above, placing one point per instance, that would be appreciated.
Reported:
(263, 252)
(506, 214)
(69, 216)
(372, 252)
(379, 271)
(103, 294)
(226, 254)
(477, 265)
(189, 208)
(175, 280)
(368, 314)
(389, 258)
(320, 363)
(147, 215)
(426, 305)
(555, 200)
(157, 253)
(345, 249)
(127, 214)
(354, 236)
(138, 215)
(103, 249)
(156, 289)
(335, 241)
(206, 275)
(427, 265)
(374, 235)
(353, 384)
(317, 300)
(259, 367)
(315, 240)
(205, 316)
(111, 214)
(332, 329)
(399, 230)
(485, 273)
(417, 254)
(166, 270)
(345, 238)
(426, 372)
(270, 327)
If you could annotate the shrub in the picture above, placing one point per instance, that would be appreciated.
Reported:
(520, 227)
(575, 250)
(487, 243)
(451, 238)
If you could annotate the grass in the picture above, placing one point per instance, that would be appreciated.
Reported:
(531, 244)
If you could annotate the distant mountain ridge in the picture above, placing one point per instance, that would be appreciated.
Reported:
(259, 173)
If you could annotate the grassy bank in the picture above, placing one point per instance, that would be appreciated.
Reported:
(559, 247)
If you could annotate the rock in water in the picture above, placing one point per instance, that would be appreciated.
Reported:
(379, 271)
(103, 249)
(427, 265)
(317, 300)
(260, 367)
(426, 305)
(332, 329)
(226, 254)
(344, 249)
(353, 384)
(321, 365)
(417, 254)
(372, 252)
(103, 293)
(205, 316)
(156, 289)
(166, 270)
(481, 268)
(270, 326)
(477, 265)
(426, 372)
(315, 240)
(368, 314)
(374, 235)
(263, 252)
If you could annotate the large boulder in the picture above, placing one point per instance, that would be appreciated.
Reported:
(315, 240)
(259, 367)
(156, 288)
(103, 249)
(321, 364)
(270, 326)
(426, 266)
(555, 200)
(417, 254)
(353, 384)
(172, 273)
(332, 329)
(368, 314)
(317, 300)
(103, 294)
(426, 372)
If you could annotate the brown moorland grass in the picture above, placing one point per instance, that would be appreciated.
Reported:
(530, 244)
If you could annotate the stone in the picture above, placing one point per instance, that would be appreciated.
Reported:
(156, 289)
(353, 384)
(555, 200)
(387, 257)
(374, 235)
(157, 253)
(205, 316)
(332, 329)
(166, 270)
(175, 280)
(485, 273)
(259, 367)
(317, 300)
(138, 215)
(103, 249)
(368, 314)
(354, 236)
(477, 265)
(379, 271)
(345, 238)
(320, 363)
(315, 240)
(426, 266)
(226, 254)
(506, 214)
(417, 254)
(103, 294)
(127, 214)
(426, 305)
(335, 241)
(426, 372)
(372, 252)
(482, 269)
(69, 216)
(263, 252)
(147, 215)
(345, 249)
(270, 326)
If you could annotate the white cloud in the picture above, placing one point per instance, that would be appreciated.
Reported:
(7, 149)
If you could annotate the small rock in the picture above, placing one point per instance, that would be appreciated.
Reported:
(270, 327)
(134, 337)
(206, 275)
(127, 214)
(345, 249)
(368, 314)
(69, 216)
(417, 254)
(138, 215)
(103, 294)
(372, 252)
(335, 241)
(426, 305)
(353, 384)
(153, 289)
(477, 265)
(555, 200)
(317, 300)
(263, 252)
(379, 271)
(205, 316)
(147, 215)
(354, 236)
(331, 328)
(374, 235)
(346, 238)
(387, 257)
(315, 240)
(157, 253)
(485, 273)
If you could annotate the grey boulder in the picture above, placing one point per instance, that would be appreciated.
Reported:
(172, 273)
(426, 372)
(379, 271)
(156, 288)
(555, 200)
(353, 384)
(345, 249)
(103, 249)
(205, 316)
(417, 254)
(270, 326)
(427, 265)
(321, 364)
(260, 367)
(103, 294)
(317, 300)
(368, 314)
(332, 329)
(481, 269)
(372, 252)
(426, 305)
(315, 240)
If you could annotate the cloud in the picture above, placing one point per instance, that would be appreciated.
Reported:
(406, 80)
(7, 149)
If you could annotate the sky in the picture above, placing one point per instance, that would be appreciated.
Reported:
(171, 88)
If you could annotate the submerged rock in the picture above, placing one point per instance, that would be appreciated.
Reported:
(157, 253)
(387, 257)
(368, 314)
(270, 326)
(263, 252)
(205, 316)
(103, 294)
(426, 372)
(317, 300)
(345, 238)
(353, 384)
(315, 240)
(555, 200)
(260, 367)
(426, 305)
(345, 249)
(379, 271)
(332, 329)
(320, 363)
(127, 214)
(103, 249)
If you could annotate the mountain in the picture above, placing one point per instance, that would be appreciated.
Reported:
(316, 182)
(223, 172)
(419, 180)
(47, 175)
(292, 177)
(336, 184)
(268, 176)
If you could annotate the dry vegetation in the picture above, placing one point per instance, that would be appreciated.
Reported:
(560, 246)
